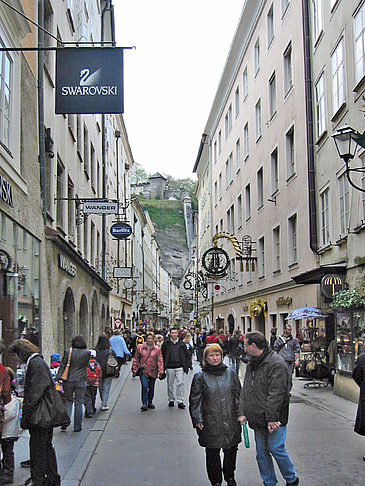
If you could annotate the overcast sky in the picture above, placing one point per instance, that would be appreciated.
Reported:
(170, 80)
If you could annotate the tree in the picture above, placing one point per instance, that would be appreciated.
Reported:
(138, 174)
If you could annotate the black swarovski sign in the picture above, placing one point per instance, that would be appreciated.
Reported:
(89, 80)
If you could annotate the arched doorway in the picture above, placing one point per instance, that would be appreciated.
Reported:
(230, 323)
(83, 317)
(95, 321)
(68, 318)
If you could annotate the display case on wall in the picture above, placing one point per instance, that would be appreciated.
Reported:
(350, 338)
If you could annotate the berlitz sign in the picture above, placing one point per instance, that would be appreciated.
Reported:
(121, 230)
(89, 80)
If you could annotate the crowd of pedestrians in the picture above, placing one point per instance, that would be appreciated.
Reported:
(219, 403)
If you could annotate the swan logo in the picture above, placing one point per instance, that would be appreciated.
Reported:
(89, 80)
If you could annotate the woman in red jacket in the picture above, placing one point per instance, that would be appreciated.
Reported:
(148, 357)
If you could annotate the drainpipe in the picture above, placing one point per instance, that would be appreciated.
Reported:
(313, 237)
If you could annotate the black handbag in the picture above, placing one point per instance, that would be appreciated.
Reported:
(50, 411)
(139, 371)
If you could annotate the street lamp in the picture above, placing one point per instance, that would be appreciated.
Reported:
(346, 140)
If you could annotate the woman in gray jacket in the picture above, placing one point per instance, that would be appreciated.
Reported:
(214, 398)
(75, 386)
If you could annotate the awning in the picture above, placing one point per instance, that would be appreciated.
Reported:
(316, 275)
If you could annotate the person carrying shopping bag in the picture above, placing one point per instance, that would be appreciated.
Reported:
(148, 365)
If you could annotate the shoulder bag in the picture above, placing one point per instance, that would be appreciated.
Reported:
(111, 364)
(64, 375)
(50, 410)
(139, 372)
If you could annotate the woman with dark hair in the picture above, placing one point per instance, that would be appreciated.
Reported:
(75, 359)
(214, 398)
(43, 462)
(102, 352)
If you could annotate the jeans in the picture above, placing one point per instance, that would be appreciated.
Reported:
(178, 375)
(234, 363)
(90, 397)
(43, 462)
(74, 393)
(7, 462)
(214, 465)
(268, 445)
(104, 389)
(147, 389)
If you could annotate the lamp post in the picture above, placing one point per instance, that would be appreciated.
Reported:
(347, 140)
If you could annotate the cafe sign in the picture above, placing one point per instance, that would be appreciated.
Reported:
(89, 80)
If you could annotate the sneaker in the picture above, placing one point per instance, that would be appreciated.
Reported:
(64, 428)
(296, 482)
(181, 405)
(231, 482)
(151, 405)
(104, 409)
(25, 463)
(144, 408)
(171, 404)
(88, 415)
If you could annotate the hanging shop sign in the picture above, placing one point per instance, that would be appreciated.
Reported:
(6, 192)
(66, 265)
(215, 261)
(122, 272)
(89, 80)
(5, 260)
(100, 207)
(121, 230)
(330, 284)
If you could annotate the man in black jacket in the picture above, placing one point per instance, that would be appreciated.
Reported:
(175, 359)
(264, 403)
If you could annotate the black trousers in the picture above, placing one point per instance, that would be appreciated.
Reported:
(7, 448)
(214, 465)
(43, 462)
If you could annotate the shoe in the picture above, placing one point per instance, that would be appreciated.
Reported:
(231, 482)
(171, 404)
(25, 463)
(181, 405)
(64, 428)
(78, 430)
(88, 415)
(104, 409)
(28, 482)
(144, 408)
(296, 482)
(151, 405)
(217, 484)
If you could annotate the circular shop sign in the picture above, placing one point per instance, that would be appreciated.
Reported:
(121, 230)
(215, 261)
(129, 283)
(331, 284)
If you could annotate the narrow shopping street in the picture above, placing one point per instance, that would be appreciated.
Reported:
(159, 447)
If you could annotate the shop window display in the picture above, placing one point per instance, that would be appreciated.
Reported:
(350, 338)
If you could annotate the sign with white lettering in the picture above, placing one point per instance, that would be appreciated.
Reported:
(122, 272)
(66, 265)
(100, 207)
(89, 80)
(121, 230)
(6, 192)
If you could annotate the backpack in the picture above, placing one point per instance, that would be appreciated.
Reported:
(93, 372)
(111, 364)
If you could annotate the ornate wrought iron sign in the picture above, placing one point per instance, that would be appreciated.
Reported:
(215, 262)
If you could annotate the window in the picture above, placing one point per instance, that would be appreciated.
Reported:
(3, 227)
(92, 166)
(98, 193)
(248, 201)
(220, 186)
(228, 176)
(261, 257)
(258, 120)
(272, 96)
(344, 204)
(260, 188)
(60, 194)
(284, 6)
(274, 171)
(92, 244)
(257, 56)
(70, 209)
(360, 43)
(237, 101)
(221, 225)
(86, 239)
(317, 19)
(219, 142)
(239, 211)
(79, 135)
(324, 217)
(230, 167)
(290, 153)
(276, 249)
(350, 338)
(238, 155)
(320, 106)
(6, 96)
(215, 152)
(338, 77)
(215, 192)
(228, 121)
(288, 69)
(230, 219)
(244, 84)
(270, 25)
(292, 243)
(245, 142)
(86, 151)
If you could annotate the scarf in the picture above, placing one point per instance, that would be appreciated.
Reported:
(218, 370)
(256, 360)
